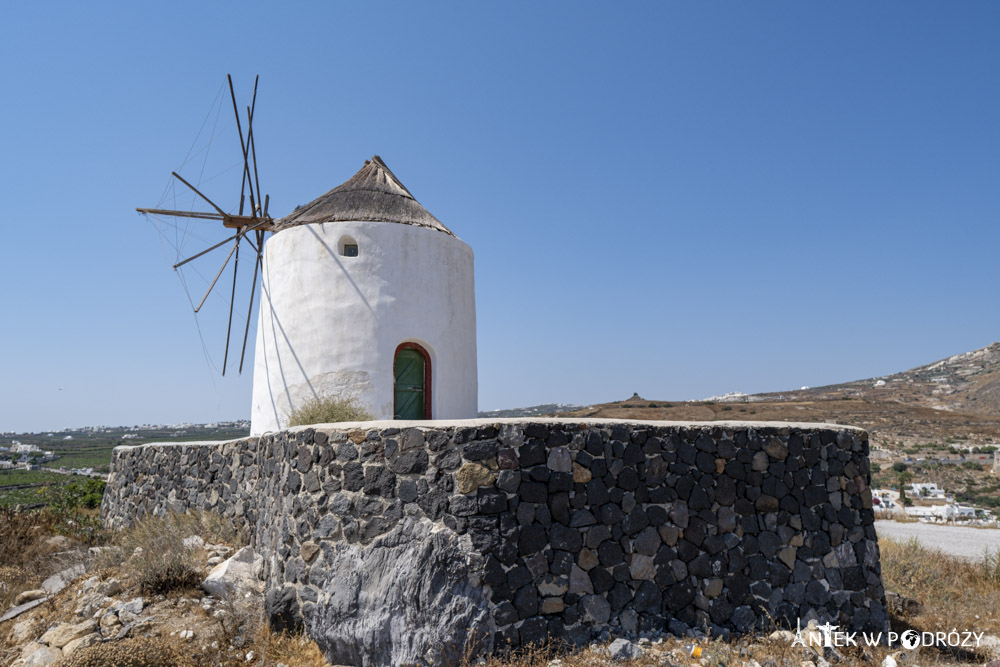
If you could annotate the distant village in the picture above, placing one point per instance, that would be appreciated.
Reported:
(15, 454)
(25, 457)
(925, 501)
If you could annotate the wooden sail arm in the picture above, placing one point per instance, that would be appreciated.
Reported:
(231, 221)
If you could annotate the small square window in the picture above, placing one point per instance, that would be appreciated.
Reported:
(350, 250)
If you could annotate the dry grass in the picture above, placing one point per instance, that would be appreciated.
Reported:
(153, 652)
(153, 554)
(24, 551)
(292, 650)
(955, 593)
(328, 410)
(676, 651)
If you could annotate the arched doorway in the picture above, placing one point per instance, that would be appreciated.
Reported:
(412, 388)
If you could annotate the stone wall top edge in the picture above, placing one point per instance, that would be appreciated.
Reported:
(446, 423)
(466, 423)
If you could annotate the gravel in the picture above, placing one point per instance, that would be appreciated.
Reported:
(955, 540)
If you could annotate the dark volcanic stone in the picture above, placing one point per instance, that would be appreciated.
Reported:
(601, 579)
(433, 503)
(462, 505)
(407, 490)
(769, 543)
(533, 631)
(816, 593)
(648, 597)
(282, 606)
(597, 493)
(413, 461)
(526, 601)
(533, 539)
(518, 577)
(619, 596)
(533, 492)
(679, 596)
(564, 538)
(610, 514)
(480, 450)
(379, 481)
(610, 554)
(492, 501)
(354, 477)
(505, 614)
(854, 578)
(509, 480)
(449, 461)
(635, 522)
(532, 453)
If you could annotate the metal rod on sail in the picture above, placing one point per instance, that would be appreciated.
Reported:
(198, 192)
(253, 149)
(182, 214)
(232, 299)
(221, 243)
(243, 147)
(253, 154)
(212, 286)
(253, 289)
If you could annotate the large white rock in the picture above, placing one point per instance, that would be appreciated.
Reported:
(239, 574)
(82, 642)
(411, 597)
(37, 655)
(64, 633)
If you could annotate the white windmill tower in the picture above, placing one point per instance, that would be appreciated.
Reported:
(364, 295)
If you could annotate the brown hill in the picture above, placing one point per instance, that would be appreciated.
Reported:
(968, 382)
(954, 400)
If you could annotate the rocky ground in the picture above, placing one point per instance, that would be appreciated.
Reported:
(196, 603)
(98, 610)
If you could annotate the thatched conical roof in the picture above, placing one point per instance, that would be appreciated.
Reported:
(373, 194)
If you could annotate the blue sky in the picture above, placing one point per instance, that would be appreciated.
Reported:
(677, 199)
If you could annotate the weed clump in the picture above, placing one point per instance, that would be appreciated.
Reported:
(328, 410)
(154, 554)
(152, 652)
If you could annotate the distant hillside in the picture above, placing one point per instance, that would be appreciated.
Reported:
(968, 383)
(533, 411)
(954, 400)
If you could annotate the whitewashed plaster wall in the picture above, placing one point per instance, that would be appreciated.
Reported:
(330, 324)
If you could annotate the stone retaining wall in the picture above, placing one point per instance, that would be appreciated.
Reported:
(414, 541)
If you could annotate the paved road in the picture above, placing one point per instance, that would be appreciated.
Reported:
(955, 540)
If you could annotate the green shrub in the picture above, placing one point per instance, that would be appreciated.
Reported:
(79, 493)
(328, 410)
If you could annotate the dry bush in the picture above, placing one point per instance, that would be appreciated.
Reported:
(328, 410)
(154, 554)
(955, 593)
(295, 650)
(23, 551)
(128, 653)
(676, 651)
(22, 536)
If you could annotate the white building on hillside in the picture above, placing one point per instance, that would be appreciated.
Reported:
(366, 295)
(926, 490)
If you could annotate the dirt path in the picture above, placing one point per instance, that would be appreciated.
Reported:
(954, 540)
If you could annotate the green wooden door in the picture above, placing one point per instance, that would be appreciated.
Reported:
(410, 379)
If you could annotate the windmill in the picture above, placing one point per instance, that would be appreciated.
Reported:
(257, 222)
